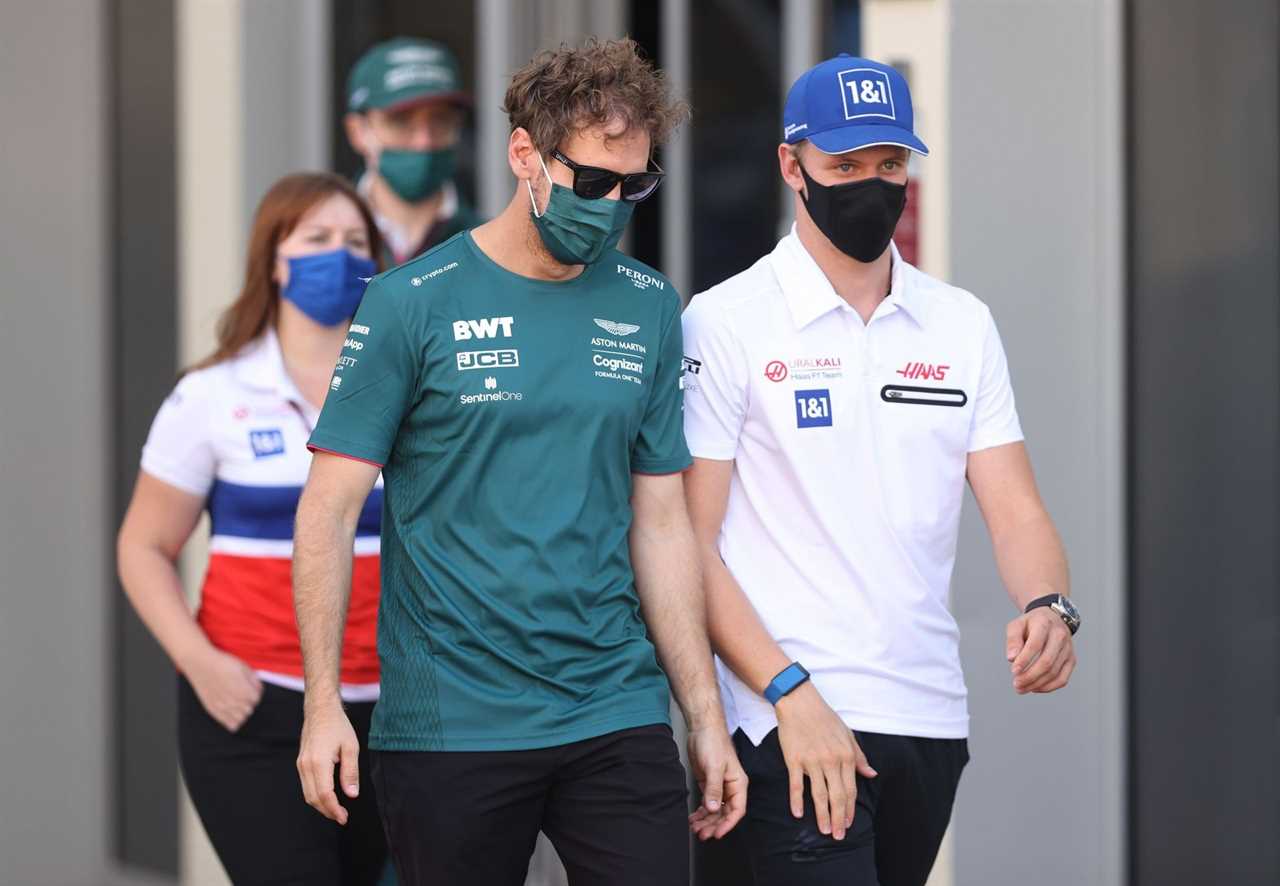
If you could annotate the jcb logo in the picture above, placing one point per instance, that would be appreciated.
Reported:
(503, 359)
(487, 328)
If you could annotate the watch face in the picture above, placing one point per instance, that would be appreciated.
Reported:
(1068, 610)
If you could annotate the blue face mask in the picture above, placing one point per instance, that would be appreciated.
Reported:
(328, 286)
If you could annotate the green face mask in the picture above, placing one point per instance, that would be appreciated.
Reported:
(414, 175)
(577, 231)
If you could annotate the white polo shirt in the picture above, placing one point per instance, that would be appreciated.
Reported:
(849, 444)
(235, 434)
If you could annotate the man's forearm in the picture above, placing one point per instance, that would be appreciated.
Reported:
(669, 584)
(737, 634)
(1031, 559)
(321, 589)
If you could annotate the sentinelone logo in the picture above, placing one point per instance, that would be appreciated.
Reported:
(495, 397)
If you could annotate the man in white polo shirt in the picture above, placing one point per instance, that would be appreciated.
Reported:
(836, 401)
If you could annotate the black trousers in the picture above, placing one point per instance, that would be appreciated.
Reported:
(901, 817)
(245, 787)
(613, 806)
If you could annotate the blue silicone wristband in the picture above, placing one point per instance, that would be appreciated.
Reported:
(790, 677)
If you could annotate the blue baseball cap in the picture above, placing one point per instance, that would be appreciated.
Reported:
(847, 103)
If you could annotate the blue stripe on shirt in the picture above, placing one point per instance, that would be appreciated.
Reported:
(268, 512)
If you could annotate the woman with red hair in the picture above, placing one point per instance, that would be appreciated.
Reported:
(231, 440)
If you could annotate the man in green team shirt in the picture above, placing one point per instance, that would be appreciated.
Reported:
(519, 387)
(405, 111)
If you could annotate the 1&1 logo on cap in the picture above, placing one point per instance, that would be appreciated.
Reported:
(866, 93)
(813, 408)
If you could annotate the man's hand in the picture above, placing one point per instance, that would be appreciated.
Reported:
(328, 740)
(1040, 651)
(721, 780)
(815, 742)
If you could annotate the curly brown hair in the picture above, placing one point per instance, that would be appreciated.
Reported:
(563, 91)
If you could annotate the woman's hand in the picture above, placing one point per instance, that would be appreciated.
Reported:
(227, 687)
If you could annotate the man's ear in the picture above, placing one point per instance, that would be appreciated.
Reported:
(355, 126)
(522, 155)
(789, 167)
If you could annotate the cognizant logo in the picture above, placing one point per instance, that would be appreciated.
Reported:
(617, 364)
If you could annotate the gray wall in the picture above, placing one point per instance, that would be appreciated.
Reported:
(1036, 232)
(144, 766)
(1206, 433)
(55, 565)
(285, 92)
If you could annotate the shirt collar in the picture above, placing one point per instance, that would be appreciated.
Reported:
(809, 293)
(260, 365)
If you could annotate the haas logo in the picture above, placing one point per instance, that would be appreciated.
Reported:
(490, 327)
(927, 371)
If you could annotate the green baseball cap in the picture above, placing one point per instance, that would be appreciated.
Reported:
(404, 71)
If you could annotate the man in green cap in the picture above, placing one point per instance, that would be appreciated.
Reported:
(405, 109)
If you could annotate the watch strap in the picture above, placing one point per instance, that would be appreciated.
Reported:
(1054, 600)
(1038, 602)
(787, 680)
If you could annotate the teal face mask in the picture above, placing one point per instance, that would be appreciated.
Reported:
(415, 175)
(577, 231)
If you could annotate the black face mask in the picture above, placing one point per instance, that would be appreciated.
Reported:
(858, 218)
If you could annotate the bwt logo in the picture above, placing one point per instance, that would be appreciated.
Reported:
(866, 93)
(501, 359)
(490, 327)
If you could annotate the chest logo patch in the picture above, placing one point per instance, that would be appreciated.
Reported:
(639, 279)
(489, 327)
(926, 371)
(813, 408)
(266, 442)
(776, 370)
(499, 359)
(618, 329)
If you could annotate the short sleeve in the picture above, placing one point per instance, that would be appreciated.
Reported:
(715, 385)
(179, 450)
(995, 418)
(373, 384)
(659, 447)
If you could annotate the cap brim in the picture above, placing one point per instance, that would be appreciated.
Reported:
(853, 138)
(461, 99)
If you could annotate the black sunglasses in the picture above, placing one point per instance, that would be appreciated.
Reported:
(592, 182)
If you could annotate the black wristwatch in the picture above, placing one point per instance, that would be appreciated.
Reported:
(1062, 605)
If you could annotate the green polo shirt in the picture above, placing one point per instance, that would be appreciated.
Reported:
(509, 415)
